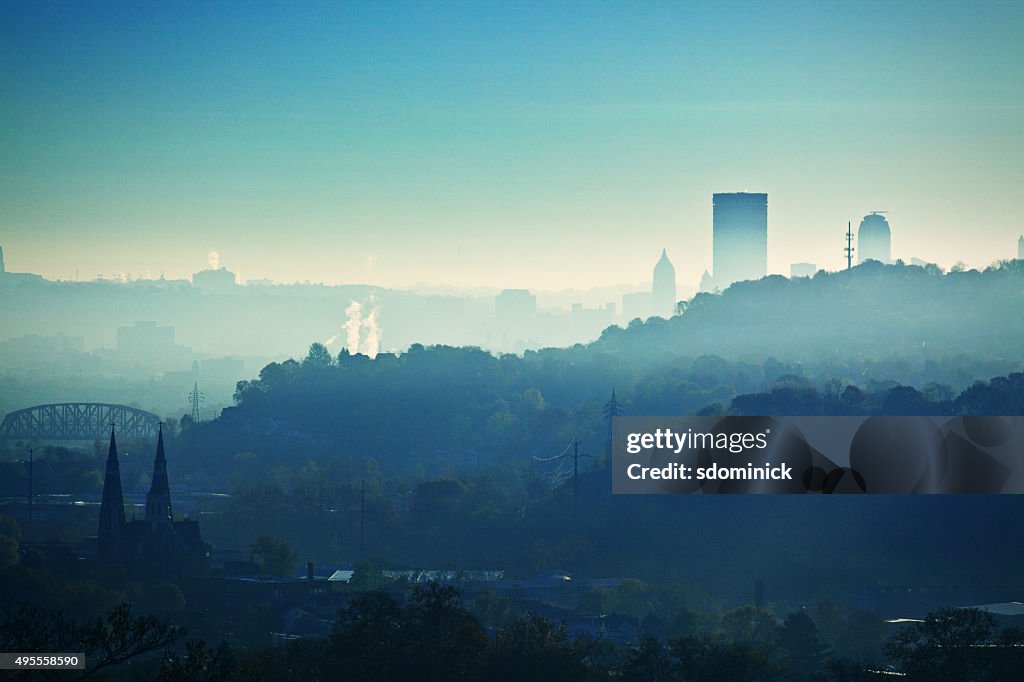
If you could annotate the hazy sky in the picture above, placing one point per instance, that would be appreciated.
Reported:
(535, 144)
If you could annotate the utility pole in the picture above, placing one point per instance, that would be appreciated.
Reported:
(31, 452)
(612, 409)
(362, 516)
(575, 481)
(849, 245)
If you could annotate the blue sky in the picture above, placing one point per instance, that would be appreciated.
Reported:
(532, 144)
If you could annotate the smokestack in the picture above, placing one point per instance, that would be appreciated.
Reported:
(309, 571)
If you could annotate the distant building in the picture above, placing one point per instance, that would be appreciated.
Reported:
(874, 239)
(144, 338)
(1020, 251)
(802, 270)
(514, 306)
(155, 544)
(663, 289)
(588, 323)
(707, 283)
(636, 305)
(740, 237)
(15, 278)
(219, 281)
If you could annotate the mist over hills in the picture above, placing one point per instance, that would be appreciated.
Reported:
(873, 311)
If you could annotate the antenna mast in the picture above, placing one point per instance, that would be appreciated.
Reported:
(849, 245)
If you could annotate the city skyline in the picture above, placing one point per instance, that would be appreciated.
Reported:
(500, 146)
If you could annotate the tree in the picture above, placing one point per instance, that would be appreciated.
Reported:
(799, 640)
(198, 664)
(9, 527)
(276, 554)
(367, 637)
(951, 644)
(318, 357)
(441, 640)
(431, 638)
(650, 661)
(532, 648)
(105, 642)
(8, 551)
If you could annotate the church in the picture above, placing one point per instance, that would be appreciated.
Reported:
(155, 544)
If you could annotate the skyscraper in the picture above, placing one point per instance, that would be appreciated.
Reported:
(740, 237)
(1020, 248)
(663, 290)
(874, 239)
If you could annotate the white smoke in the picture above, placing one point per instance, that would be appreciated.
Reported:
(362, 332)
(214, 259)
(354, 312)
(371, 335)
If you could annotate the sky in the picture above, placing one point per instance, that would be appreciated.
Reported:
(544, 145)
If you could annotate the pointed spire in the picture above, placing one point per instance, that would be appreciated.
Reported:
(108, 537)
(158, 500)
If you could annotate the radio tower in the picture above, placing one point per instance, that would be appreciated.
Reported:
(849, 245)
(195, 398)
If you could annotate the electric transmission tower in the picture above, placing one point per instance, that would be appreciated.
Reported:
(195, 399)
(612, 409)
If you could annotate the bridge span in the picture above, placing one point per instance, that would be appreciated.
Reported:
(79, 421)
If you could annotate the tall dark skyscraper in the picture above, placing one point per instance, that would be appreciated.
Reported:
(740, 237)
(874, 239)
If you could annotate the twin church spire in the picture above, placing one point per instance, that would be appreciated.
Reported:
(110, 538)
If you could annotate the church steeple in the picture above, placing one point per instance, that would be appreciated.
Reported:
(111, 508)
(158, 500)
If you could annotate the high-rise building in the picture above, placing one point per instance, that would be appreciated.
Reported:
(1020, 251)
(740, 237)
(2, 269)
(874, 239)
(663, 289)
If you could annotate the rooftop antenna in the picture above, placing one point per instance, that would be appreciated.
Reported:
(849, 245)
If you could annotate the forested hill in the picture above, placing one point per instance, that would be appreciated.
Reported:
(840, 343)
(871, 311)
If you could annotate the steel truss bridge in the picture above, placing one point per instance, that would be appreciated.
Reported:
(79, 421)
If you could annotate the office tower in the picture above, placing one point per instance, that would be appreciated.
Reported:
(740, 237)
(874, 240)
(1020, 251)
(663, 290)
